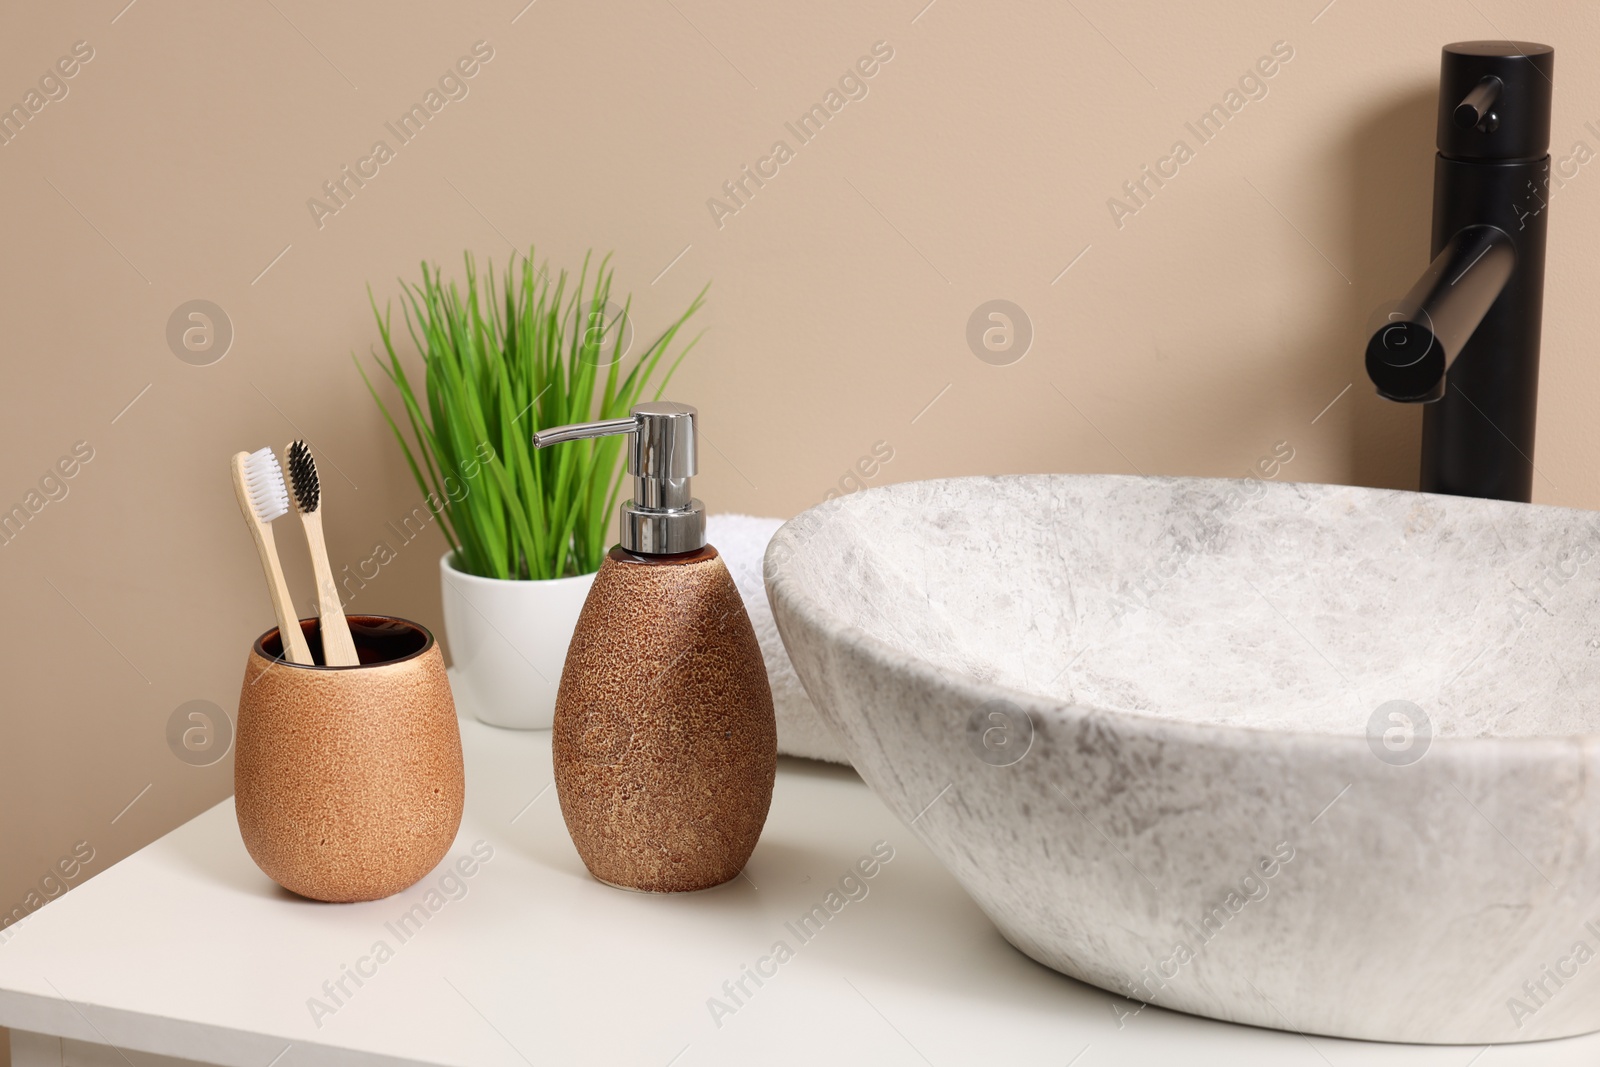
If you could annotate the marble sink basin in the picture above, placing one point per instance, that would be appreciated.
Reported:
(1307, 757)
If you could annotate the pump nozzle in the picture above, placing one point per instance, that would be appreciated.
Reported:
(663, 518)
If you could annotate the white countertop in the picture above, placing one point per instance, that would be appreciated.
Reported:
(186, 949)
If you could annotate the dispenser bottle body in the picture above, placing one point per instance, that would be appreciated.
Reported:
(664, 743)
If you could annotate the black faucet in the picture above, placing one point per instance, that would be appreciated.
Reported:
(1465, 340)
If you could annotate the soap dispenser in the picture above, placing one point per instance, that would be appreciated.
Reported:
(664, 743)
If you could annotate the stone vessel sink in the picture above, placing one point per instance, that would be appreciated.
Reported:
(1307, 757)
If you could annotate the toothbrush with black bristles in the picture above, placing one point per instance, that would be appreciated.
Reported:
(338, 649)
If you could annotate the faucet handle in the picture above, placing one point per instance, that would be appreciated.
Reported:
(1494, 101)
(1475, 107)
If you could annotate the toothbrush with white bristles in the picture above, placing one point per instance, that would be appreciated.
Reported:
(258, 482)
(338, 647)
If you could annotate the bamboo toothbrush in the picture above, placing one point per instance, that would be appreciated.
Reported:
(338, 648)
(258, 482)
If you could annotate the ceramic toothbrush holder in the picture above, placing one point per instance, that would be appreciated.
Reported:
(348, 781)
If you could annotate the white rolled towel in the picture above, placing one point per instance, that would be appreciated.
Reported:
(742, 541)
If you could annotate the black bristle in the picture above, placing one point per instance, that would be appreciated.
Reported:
(303, 477)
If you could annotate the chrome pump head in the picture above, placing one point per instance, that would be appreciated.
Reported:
(663, 518)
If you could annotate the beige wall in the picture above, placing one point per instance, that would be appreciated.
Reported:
(1213, 324)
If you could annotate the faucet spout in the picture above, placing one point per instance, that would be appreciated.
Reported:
(1411, 352)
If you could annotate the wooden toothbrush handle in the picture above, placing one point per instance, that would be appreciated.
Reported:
(294, 640)
(338, 647)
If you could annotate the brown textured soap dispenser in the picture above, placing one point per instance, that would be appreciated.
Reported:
(664, 744)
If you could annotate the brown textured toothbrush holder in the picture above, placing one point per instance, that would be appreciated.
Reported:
(348, 781)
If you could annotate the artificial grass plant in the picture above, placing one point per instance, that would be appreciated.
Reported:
(500, 363)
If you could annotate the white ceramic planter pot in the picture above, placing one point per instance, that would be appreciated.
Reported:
(508, 643)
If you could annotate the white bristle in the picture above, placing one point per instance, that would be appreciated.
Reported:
(269, 497)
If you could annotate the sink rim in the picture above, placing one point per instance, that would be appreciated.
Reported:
(793, 535)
